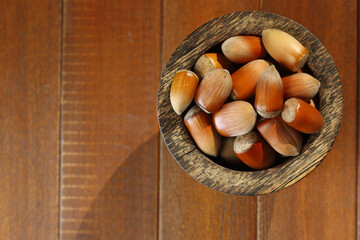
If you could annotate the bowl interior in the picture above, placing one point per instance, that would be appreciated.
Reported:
(228, 180)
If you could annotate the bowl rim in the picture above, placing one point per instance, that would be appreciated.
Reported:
(249, 183)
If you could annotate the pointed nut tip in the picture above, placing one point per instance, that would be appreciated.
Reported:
(175, 107)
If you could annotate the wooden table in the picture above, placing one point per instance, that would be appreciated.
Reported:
(81, 154)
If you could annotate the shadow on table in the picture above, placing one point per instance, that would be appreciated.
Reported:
(126, 206)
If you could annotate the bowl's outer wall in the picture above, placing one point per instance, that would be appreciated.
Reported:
(198, 165)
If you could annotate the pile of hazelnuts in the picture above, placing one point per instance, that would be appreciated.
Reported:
(267, 114)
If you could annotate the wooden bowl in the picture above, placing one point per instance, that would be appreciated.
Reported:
(236, 182)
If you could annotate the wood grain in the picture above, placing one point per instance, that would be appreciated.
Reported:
(109, 163)
(29, 118)
(322, 205)
(189, 210)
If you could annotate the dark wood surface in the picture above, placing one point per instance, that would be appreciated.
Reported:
(30, 46)
(217, 216)
(322, 206)
(109, 158)
(81, 154)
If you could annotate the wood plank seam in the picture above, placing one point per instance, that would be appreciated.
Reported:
(357, 232)
(258, 202)
(159, 134)
(61, 116)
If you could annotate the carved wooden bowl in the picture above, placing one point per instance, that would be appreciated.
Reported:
(246, 182)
